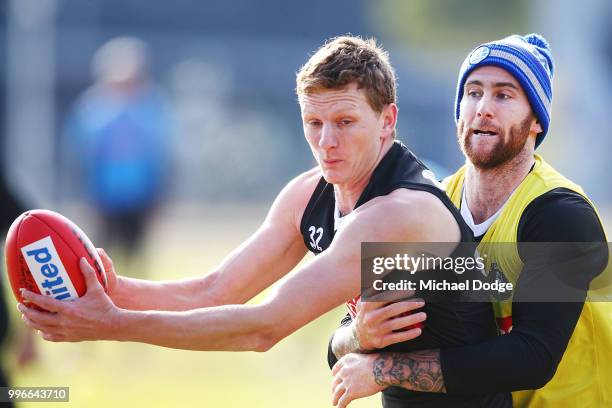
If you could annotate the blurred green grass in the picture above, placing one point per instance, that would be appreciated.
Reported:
(188, 242)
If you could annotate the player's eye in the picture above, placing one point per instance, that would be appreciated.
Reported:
(474, 93)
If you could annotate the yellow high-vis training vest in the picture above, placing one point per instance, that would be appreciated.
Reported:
(584, 375)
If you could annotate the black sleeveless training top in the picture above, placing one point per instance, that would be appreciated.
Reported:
(449, 323)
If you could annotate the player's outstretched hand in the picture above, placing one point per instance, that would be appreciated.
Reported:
(91, 317)
(353, 379)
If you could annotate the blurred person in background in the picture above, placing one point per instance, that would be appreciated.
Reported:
(507, 194)
(119, 134)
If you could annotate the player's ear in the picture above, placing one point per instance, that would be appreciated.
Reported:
(389, 117)
(536, 127)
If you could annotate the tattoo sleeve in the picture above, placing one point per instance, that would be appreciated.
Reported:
(415, 371)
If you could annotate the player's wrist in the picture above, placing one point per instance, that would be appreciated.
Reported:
(120, 321)
(377, 363)
(117, 293)
(125, 293)
(357, 344)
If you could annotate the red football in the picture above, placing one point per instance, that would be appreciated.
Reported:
(43, 250)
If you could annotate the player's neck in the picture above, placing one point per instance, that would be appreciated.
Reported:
(487, 190)
(348, 194)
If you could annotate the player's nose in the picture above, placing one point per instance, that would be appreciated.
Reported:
(328, 137)
(485, 107)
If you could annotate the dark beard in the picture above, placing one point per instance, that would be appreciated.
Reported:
(503, 151)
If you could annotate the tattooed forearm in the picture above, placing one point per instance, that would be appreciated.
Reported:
(345, 341)
(416, 371)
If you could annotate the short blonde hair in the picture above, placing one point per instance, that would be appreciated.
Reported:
(345, 60)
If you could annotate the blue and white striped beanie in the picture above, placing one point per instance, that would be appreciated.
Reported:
(528, 59)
